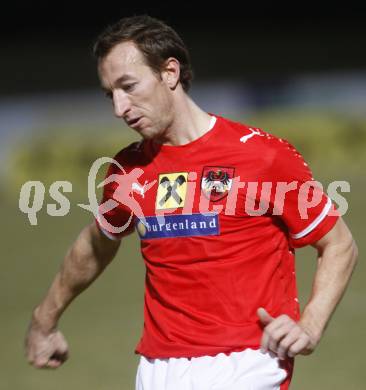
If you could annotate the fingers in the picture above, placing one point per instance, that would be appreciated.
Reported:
(53, 364)
(302, 345)
(49, 351)
(287, 342)
(59, 357)
(275, 332)
(39, 362)
(55, 361)
(264, 317)
(286, 338)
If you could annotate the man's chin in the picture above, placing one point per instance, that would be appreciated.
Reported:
(145, 133)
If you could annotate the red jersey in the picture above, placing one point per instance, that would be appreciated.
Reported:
(217, 236)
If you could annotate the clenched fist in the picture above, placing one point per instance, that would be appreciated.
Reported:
(45, 349)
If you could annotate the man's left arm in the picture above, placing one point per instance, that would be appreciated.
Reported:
(337, 254)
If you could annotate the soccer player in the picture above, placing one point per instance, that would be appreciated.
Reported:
(222, 206)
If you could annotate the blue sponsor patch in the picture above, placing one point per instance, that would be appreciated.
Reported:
(178, 225)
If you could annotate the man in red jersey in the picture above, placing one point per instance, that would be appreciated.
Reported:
(221, 207)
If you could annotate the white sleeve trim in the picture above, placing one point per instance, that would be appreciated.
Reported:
(315, 223)
(109, 235)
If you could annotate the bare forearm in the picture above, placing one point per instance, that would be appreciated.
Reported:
(83, 263)
(335, 266)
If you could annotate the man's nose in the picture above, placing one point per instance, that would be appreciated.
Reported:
(121, 103)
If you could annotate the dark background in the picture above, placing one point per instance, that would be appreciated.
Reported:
(47, 48)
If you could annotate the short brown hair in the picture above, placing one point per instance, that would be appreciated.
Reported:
(156, 40)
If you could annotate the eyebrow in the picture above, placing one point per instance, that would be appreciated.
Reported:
(120, 80)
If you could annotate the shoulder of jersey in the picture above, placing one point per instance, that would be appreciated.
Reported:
(131, 154)
(244, 135)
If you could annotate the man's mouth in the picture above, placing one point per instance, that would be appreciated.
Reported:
(133, 122)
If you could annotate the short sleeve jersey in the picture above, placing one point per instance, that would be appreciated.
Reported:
(218, 220)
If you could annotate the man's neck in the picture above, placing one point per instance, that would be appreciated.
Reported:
(189, 123)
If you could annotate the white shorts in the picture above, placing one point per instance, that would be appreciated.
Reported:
(246, 370)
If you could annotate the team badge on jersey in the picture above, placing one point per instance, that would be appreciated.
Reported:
(216, 182)
(172, 190)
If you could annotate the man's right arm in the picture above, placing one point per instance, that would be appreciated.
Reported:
(84, 262)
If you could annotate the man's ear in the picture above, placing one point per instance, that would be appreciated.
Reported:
(171, 72)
